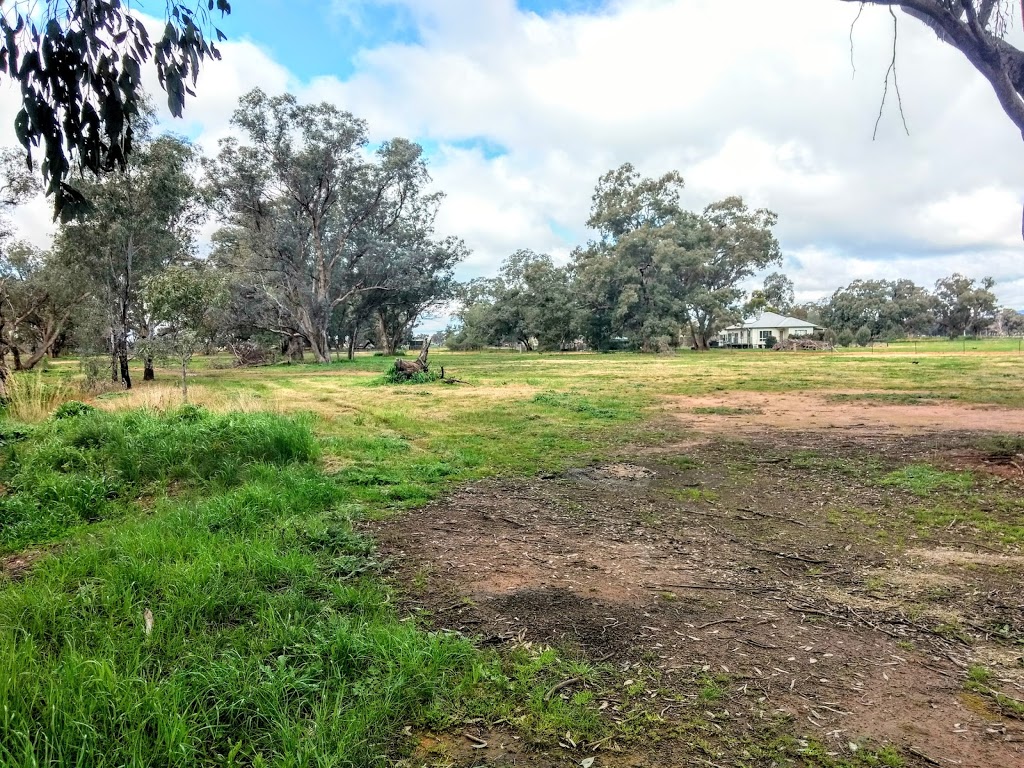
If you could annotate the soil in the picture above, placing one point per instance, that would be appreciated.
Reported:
(757, 547)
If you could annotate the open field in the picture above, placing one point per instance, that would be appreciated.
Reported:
(730, 559)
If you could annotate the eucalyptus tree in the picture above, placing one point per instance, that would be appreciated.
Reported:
(622, 275)
(728, 243)
(139, 222)
(37, 300)
(182, 300)
(889, 308)
(79, 69)
(312, 210)
(964, 305)
(979, 30)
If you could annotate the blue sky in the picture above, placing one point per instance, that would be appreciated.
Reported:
(522, 106)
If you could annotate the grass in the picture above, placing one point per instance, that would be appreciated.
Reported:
(275, 638)
(980, 681)
(230, 614)
(925, 480)
(724, 410)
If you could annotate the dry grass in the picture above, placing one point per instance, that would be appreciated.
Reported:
(160, 396)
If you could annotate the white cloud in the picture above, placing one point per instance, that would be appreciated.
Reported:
(742, 97)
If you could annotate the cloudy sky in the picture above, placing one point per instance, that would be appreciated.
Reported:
(522, 105)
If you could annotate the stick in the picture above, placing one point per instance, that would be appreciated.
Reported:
(559, 686)
(923, 756)
(794, 557)
(773, 517)
(720, 621)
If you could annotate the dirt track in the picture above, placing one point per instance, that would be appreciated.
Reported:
(777, 563)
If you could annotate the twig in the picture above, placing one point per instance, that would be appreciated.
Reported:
(475, 739)
(720, 621)
(793, 557)
(923, 756)
(559, 686)
(773, 517)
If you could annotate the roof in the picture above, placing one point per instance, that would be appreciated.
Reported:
(773, 320)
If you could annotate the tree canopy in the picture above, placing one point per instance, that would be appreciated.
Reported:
(79, 68)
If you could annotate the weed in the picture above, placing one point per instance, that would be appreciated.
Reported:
(980, 680)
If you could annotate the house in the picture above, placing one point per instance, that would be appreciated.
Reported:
(754, 331)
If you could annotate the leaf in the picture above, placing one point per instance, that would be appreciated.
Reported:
(147, 617)
(587, 762)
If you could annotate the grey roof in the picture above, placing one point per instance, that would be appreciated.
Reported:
(773, 320)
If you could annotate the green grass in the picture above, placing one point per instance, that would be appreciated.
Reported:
(925, 480)
(87, 467)
(275, 638)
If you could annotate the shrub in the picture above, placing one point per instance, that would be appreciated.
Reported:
(72, 408)
(845, 338)
(392, 376)
(863, 337)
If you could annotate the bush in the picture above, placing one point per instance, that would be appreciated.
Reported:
(863, 337)
(770, 342)
(72, 408)
(392, 376)
(845, 337)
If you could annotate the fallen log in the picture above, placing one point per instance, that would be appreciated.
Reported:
(406, 369)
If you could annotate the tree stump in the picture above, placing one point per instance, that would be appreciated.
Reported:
(406, 369)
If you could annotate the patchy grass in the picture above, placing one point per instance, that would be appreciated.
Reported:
(980, 680)
(925, 480)
(1002, 447)
(724, 410)
(274, 637)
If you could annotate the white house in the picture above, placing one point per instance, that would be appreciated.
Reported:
(754, 331)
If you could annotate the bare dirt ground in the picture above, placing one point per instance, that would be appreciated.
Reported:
(758, 552)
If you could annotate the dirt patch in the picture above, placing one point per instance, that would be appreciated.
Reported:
(810, 594)
(959, 557)
(814, 411)
(16, 567)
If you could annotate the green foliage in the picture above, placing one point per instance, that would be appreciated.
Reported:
(577, 404)
(889, 309)
(393, 376)
(863, 336)
(845, 338)
(83, 469)
(80, 68)
(1003, 447)
(964, 305)
(72, 408)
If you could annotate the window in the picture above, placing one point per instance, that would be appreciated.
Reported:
(800, 332)
(766, 335)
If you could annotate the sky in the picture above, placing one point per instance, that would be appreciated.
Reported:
(521, 106)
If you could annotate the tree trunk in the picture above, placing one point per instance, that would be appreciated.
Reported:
(320, 347)
(4, 375)
(17, 358)
(147, 371)
(184, 381)
(122, 359)
(352, 344)
(294, 349)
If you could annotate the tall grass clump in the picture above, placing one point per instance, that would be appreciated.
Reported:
(87, 465)
(240, 626)
(32, 396)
